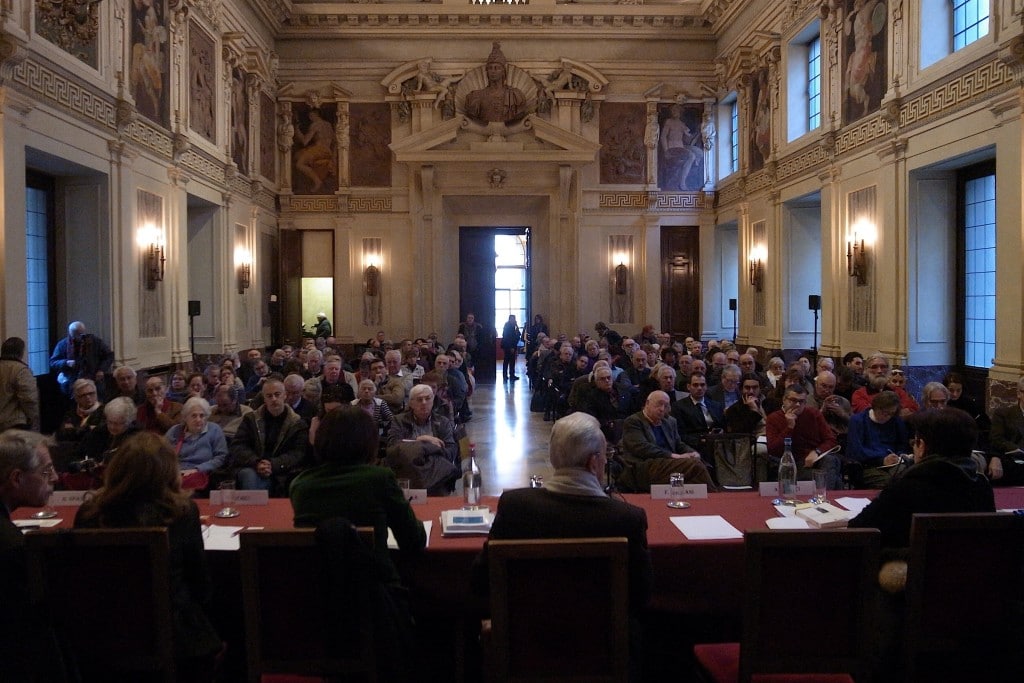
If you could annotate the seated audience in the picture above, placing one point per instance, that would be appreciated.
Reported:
(601, 399)
(1006, 442)
(178, 391)
(199, 444)
(811, 436)
(334, 387)
(878, 378)
(127, 385)
(86, 416)
(226, 376)
(943, 478)
(836, 409)
(727, 391)
(142, 488)
(118, 424)
(227, 412)
(697, 414)
(877, 439)
(422, 446)
(653, 449)
(19, 396)
(399, 381)
(934, 395)
(746, 416)
(269, 447)
(375, 407)
(294, 387)
(157, 414)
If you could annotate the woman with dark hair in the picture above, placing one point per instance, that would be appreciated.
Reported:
(142, 488)
(347, 485)
(959, 398)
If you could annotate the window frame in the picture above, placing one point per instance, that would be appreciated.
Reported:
(963, 176)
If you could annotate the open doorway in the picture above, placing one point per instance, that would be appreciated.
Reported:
(494, 282)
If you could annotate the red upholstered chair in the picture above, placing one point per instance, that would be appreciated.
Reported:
(805, 616)
(559, 610)
(109, 598)
(287, 621)
(965, 598)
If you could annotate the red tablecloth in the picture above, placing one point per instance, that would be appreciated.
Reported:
(695, 577)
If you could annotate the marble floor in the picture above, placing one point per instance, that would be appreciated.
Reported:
(511, 442)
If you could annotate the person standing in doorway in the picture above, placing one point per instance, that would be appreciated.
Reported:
(510, 336)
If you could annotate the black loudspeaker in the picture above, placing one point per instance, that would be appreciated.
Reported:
(193, 309)
(814, 302)
(732, 304)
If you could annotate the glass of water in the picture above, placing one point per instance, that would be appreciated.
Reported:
(820, 486)
(227, 500)
(676, 491)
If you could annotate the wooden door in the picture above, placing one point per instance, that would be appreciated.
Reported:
(476, 294)
(680, 281)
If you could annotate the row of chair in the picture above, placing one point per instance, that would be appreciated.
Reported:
(807, 609)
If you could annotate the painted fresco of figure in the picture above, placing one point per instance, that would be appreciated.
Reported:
(148, 69)
(314, 154)
(681, 150)
(864, 31)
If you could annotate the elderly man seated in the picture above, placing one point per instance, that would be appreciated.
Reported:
(227, 412)
(653, 449)
(422, 446)
(876, 372)
(128, 385)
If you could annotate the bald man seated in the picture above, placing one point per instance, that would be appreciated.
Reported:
(653, 449)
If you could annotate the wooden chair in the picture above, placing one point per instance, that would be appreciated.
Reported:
(289, 626)
(559, 610)
(965, 598)
(107, 592)
(806, 609)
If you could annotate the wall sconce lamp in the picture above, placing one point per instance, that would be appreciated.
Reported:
(856, 253)
(621, 273)
(371, 276)
(151, 239)
(757, 259)
(243, 266)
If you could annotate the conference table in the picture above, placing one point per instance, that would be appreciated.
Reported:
(690, 577)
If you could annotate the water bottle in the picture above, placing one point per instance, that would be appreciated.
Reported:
(787, 474)
(471, 480)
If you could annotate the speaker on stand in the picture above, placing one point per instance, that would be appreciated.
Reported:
(194, 308)
(814, 304)
(732, 307)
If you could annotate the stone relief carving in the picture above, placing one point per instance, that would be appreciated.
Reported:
(72, 25)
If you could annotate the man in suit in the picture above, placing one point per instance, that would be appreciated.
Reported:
(727, 391)
(697, 414)
(654, 451)
(1006, 437)
(294, 385)
(572, 504)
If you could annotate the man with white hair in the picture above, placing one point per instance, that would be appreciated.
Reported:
(654, 451)
(128, 385)
(80, 355)
(399, 383)
(422, 445)
(573, 504)
(876, 371)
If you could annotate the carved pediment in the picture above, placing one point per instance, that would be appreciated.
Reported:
(459, 139)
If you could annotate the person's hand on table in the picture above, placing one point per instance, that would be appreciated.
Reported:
(891, 459)
(264, 468)
(995, 468)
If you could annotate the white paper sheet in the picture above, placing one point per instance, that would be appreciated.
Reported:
(29, 524)
(854, 505)
(787, 523)
(393, 542)
(216, 537)
(706, 527)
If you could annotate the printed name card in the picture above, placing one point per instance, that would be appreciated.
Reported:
(241, 497)
(416, 496)
(770, 489)
(67, 498)
(661, 491)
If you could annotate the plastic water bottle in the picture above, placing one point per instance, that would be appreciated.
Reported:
(471, 480)
(787, 474)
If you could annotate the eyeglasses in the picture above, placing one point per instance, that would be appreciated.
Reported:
(47, 471)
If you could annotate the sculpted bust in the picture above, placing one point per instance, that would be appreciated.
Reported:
(498, 101)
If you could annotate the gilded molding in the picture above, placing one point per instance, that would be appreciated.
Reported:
(64, 92)
(374, 204)
(307, 204)
(656, 201)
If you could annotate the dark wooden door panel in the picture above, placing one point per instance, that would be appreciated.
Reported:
(680, 281)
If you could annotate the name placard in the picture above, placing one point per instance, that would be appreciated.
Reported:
(66, 498)
(416, 496)
(661, 491)
(241, 498)
(770, 489)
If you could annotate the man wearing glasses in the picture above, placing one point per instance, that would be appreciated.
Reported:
(810, 433)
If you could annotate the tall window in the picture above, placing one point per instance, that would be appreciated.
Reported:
(814, 83)
(734, 136)
(511, 263)
(970, 22)
(39, 269)
(977, 200)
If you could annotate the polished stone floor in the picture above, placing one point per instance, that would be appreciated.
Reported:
(511, 442)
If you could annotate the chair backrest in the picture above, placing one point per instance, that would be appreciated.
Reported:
(290, 624)
(965, 597)
(559, 609)
(807, 601)
(108, 595)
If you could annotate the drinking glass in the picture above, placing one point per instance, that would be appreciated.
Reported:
(676, 491)
(46, 513)
(820, 486)
(227, 499)
(405, 485)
